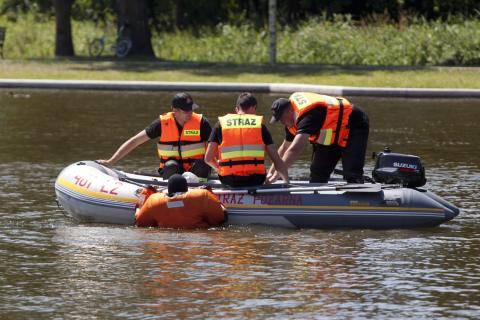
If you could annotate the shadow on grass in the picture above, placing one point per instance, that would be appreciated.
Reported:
(218, 69)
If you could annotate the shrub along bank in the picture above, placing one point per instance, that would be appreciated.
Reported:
(340, 41)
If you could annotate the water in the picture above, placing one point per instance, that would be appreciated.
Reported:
(54, 268)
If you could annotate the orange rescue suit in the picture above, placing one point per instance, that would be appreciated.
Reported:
(335, 128)
(242, 151)
(185, 147)
(196, 208)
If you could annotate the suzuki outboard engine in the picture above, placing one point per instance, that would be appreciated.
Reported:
(397, 168)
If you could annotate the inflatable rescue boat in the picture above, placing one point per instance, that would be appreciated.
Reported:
(93, 193)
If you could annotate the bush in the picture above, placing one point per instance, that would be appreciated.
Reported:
(340, 41)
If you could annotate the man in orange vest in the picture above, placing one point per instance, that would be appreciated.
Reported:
(182, 137)
(181, 208)
(336, 129)
(240, 141)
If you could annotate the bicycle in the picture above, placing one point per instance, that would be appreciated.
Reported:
(121, 47)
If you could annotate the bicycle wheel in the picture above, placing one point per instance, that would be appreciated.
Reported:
(123, 48)
(95, 47)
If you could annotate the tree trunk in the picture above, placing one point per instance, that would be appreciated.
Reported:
(272, 31)
(133, 16)
(63, 28)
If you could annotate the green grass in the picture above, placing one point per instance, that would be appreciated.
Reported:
(412, 42)
(339, 42)
(339, 52)
(153, 70)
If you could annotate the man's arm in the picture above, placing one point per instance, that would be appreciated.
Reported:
(284, 147)
(210, 155)
(214, 210)
(126, 148)
(277, 162)
(291, 154)
(143, 216)
(205, 129)
(295, 149)
(281, 152)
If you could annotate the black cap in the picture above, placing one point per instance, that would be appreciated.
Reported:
(184, 101)
(278, 108)
(177, 183)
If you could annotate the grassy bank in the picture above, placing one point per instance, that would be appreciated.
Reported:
(153, 70)
(412, 42)
(339, 42)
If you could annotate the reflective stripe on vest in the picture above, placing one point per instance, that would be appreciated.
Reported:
(168, 151)
(193, 150)
(185, 147)
(242, 151)
(335, 128)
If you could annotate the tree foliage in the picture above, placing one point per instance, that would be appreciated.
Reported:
(197, 16)
(168, 15)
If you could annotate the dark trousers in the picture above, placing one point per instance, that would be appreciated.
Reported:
(325, 158)
(199, 168)
(243, 181)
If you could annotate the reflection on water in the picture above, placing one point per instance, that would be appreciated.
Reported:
(53, 267)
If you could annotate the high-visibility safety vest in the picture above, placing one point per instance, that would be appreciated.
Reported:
(196, 208)
(242, 151)
(185, 147)
(335, 128)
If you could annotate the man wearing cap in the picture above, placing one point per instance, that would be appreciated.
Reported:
(240, 141)
(336, 129)
(182, 136)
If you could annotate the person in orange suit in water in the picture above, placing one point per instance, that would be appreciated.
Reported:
(181, 208)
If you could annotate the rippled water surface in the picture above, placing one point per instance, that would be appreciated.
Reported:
(54, 268)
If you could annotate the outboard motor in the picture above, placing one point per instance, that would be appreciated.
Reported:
(397, 168)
